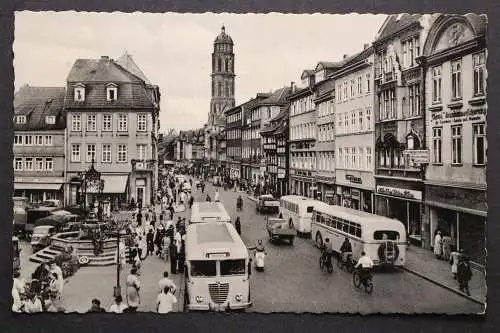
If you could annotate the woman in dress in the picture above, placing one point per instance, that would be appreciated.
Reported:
(133, 287)
(437, 245)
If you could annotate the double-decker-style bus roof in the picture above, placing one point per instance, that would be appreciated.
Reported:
(218, 240)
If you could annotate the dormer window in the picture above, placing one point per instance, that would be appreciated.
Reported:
(79, 92)
(50, 120)
(111, 92)
(20, 119)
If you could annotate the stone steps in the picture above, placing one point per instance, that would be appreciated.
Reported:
(106, 258)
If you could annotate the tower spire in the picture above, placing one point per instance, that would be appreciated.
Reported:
(223, 29)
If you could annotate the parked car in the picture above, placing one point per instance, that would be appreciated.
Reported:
(41, 237)
(280, 229)
(267, 204)
(51, 203)
(35, 214)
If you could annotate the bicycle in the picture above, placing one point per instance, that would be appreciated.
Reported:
(324, 261)
(366, 281)
(348, 263)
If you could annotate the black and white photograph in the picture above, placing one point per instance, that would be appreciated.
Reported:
(298, 163)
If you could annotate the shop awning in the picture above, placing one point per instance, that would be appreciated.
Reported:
(114, 183)
(456, 208)
(37, 186)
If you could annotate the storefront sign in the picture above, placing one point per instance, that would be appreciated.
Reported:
(329, 194)
(418, 156)
(339, 190)
(355, 194)
(353, 179)
(281, 173)
(449, 117)
(400, 193)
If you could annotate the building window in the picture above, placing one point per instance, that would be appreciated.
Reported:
(50, 120)
(354, 160)
(122, 123)
(368, 119)
(91, 153)
(18, 140)
(141, 123)
(414, 99)
(39, 164)
(456, 79)
(479, 144)
(20, 119)
(393, 104)
(28, 140)
(79, 94)
(18, 164)
(360, 121)
(411, 51)
(49, 164)
(76, 122)
(479, 71)
(106, 153)
(106, 122)
(91, 122)
(368, 158)
(141, 152)
(352, 88)
(436, 84)
(122, 154)
(28, 164)
(368, 83)
(48, 140)
(75, 153)
(360, 88)
(456, 144)
(437, 145)
(39, 140)
(112, 92)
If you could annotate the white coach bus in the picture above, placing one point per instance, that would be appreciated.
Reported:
(209, 212)
(299, 209)
(217, 268)
(381, 238)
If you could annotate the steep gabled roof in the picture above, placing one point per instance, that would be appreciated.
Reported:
(38, 102)
(395, 23)
(278, 97)
(129, 64)
(100, 70)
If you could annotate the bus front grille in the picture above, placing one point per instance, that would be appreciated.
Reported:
(218, 292)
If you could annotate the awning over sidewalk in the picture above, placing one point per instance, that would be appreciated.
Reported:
(114, 183)
(37, 186)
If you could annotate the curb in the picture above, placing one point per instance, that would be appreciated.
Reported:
(251, 198)
(456, 291)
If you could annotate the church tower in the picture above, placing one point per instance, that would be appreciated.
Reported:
(222, 77)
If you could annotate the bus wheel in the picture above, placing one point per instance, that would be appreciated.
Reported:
(319, 240)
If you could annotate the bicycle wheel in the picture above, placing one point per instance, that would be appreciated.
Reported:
(330, 268)
(321, 263)
(339, 261)
(356, 279)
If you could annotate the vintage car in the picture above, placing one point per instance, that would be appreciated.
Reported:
(267, 204)
(280, 229)
(41, 237)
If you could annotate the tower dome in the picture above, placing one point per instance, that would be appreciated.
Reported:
(223, 37)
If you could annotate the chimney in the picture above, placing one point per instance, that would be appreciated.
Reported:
(345, 56)
(365, 46)
(104, 57)
(292, 84)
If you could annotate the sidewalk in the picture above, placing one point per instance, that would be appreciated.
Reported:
(423, 263)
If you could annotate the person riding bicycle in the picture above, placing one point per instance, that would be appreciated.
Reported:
(366, 264)
(345, 249)
(327, 251)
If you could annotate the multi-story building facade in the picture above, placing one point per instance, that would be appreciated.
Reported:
(234, 128)
(325, 139)
(275, 147)
(189, 146)
(39, 141)
(112, 122)
(250, 139)
(223, 77)
(454, 56)
(354, 138)
(399, 127)
(302, 136)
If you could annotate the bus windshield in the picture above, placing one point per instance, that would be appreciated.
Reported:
(232, 267)
(386, 235)
(205, 268)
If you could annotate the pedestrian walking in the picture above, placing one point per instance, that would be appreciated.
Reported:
(216, 195)
(165, 244)
(207, 199)
(237, 225)
(165, 301)
(165, 281)
(55, 269)
(202, 187)
(173, 257)
(118, 306)
(454, 260)
(96, 306)
(464, 274)
(446, 241)
(437, 245)
(133, 286)
(191, 201)
(150, 242)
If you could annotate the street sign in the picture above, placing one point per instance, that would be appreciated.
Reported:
(418, 156)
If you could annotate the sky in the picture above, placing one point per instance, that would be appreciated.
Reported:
(174, 50)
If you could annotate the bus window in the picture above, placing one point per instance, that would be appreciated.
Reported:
(203, 268)
(358, 231)
(352, 229)
(232, 267)
(339, 225)
(386, 235)
(310, 209)
(345, 227)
